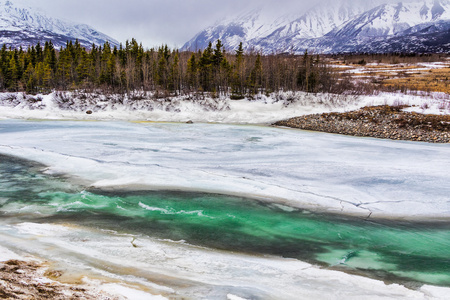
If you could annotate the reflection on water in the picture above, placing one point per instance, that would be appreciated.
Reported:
(396, 251)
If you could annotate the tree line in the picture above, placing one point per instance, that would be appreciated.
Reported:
(129, 67)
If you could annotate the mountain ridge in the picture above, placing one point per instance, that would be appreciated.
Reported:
(333, 27)
(21, 25)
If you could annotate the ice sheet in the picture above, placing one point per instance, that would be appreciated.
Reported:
(342, 174)
(318, 171)
(192, 272)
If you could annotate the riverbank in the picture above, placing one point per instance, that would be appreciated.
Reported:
(334, 173)
(386, 122)
(261, 109)
(29, 277)
(28, 280)
(177, 270)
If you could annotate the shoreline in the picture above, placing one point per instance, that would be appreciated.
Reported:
(384, 122)
(21, 279)
(30, 279)
(28, 276)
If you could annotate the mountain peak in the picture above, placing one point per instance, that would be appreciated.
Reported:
(23, 25)
(330, 26)
(437, 10)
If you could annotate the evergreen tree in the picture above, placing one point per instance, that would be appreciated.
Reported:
(238, 74)
(39, 53)
(205, 67)
(255, 80)
(13, 74)
(30, 79)
(50, 55)
(303, 74)
(218, 55)
(128, 68)
(192, 72)
(174, 81)
(163, 66)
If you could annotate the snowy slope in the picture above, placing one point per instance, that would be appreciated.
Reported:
(331, 26)
(268, 28)
(246, 27)
(315, 23)
(21, 25)
(415, 26)
(390, 19)
(425, 37)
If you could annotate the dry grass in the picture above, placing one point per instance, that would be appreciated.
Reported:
(391, 67)
(414, 75)
(433, 80)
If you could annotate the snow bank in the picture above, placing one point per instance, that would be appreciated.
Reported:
(148, 107)
(183, 270)
(6, 254)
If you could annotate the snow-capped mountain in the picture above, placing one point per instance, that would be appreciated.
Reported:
(268, 28)
(21, 25)
(335, 26)
(426, 37)
(391, 19)
(315, 23)
(246, 27)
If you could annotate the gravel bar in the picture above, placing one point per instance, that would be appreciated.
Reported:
(386, 122)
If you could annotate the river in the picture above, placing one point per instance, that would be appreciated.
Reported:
(208, 211)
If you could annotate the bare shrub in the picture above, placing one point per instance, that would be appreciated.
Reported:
(425, 106)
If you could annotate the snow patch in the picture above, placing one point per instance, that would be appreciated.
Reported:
(6, 254)
(262, 109)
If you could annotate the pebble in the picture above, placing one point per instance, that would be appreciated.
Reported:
(388, 122)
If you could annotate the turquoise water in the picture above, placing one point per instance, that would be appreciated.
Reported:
(393, 251)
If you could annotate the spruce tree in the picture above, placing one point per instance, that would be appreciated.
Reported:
(12, 74)
(192, 71)
(218, 55)
(30, 79)
(205, 66)
(238, 74)
(255, 80)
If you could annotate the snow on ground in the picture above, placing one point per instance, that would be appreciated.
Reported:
(341, 174)
(102, 289)
(262, 110)
(6, 254)
(374, 68)
(196, 272)
(221, 158)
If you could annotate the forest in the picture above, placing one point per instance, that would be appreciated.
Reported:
(130, 67)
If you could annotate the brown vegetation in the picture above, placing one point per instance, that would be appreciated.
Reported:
(388, 58)
(23, 280)
(433, 80)
(395, 72)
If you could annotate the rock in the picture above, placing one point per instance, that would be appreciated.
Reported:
(89, 112)
(384, 122)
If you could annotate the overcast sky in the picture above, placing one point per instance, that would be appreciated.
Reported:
(152, 22)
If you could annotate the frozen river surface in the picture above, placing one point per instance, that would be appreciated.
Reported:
(91, 221)
(317, 171)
